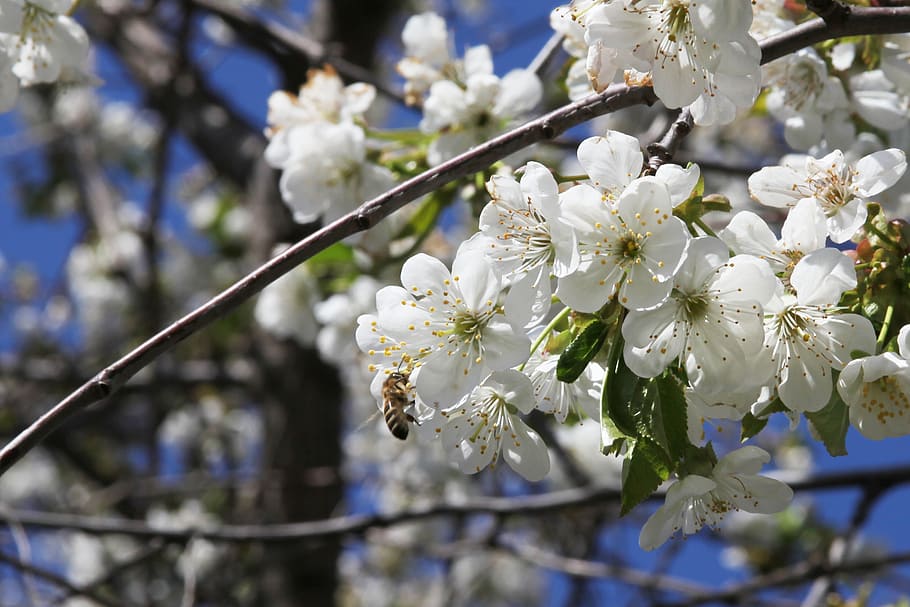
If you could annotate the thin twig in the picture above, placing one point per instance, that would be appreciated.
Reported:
(861, 21)
(790, 576)
(267, 36)
(545, 55)
(528, 505)
(55, 579)
(663, 151)
(592, 569)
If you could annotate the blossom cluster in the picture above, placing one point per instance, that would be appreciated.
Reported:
(318, 140)
(694, 53)
(465, 102)
(741, 319)
(607, 295)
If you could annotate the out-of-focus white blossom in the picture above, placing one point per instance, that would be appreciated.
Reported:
(42, 40)
(285, 307)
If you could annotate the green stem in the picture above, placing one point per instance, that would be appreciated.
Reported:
(564, 178)
(705, 227)
(397, 135)
(564, 313)
(72, 9)
(886, 325)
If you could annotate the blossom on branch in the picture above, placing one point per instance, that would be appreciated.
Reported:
(696, 501)
(877, 390)
(806, 335)
(839, 189)
(487, 422)
(630, 249)
(453, 327)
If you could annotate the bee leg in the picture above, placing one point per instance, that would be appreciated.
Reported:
(411, 419)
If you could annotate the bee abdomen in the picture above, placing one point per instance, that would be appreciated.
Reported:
(397, 422)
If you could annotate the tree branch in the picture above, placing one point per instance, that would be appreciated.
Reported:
(110, 379)
(593, 569)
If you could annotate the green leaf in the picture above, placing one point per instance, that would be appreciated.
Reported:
(751, 426)
(645, 469)
(581, 350)
(672, 411)
(831, 425)
(775, 406)
(423, 220)
(611, 439)
(338, 253)
(621, 388)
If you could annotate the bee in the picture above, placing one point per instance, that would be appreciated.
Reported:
(395, 397)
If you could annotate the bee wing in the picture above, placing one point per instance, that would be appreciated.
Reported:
(367, 421)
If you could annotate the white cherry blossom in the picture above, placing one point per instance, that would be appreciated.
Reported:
(558, 397)
(877, 391)
(696, 501)
(327, 173)
(878, 102)
(454, 327)
(806, 336)
(839, 189)
(338, 315)
(487, 422)
(811, 103)
(712, 321)
(612, 162)
(520, 231)
(564, 21)
(630, 249)
(323, 98)
(427, 53)
(804, 231)
(696, 52)
(285, 307)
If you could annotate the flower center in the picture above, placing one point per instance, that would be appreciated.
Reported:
(833, 188)
(694, 306)
(802, 85)
(885, 399)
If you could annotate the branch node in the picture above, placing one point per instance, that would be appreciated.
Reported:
(363, 221)
(831, 11)
(547, 130)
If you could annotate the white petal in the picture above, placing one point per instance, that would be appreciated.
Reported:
(679, 181)
(611, 161)
(525, 451)
(879, 171)
(759, 494)
(821, 277)
(776, 186)
(477, 280)
(746, 460)
(848, 219)
(804, 229)
(520, 91)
